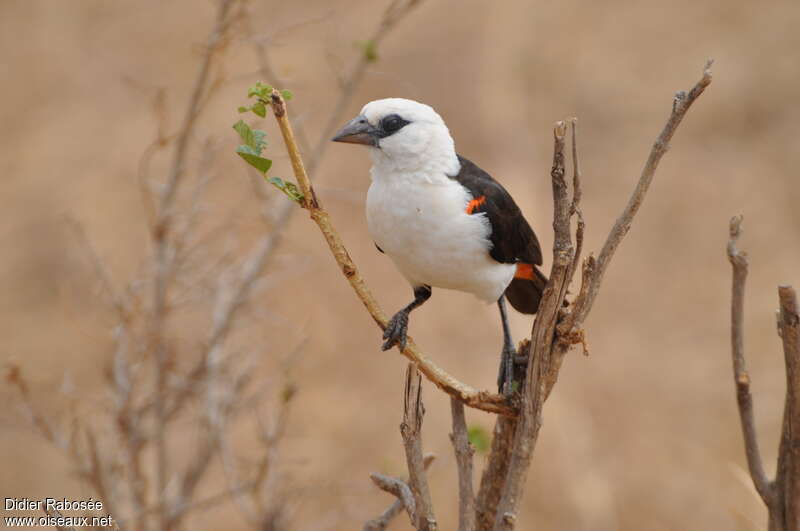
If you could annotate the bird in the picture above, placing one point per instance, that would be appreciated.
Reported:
(442, 220)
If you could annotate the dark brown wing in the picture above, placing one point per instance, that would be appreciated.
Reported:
(513, 240)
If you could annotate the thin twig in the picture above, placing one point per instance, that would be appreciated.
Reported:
(739, 264)
(401, 490)
(577, 194)
(681, 104)
(786, 510)
(383, 521)
(164, 253)
(98, 476)
(494, 473)
(464, 452)
(101, 269)
(411, 430)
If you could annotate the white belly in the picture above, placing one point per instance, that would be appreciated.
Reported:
(426, 231)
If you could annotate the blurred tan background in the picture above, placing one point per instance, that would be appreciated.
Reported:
(643, 434)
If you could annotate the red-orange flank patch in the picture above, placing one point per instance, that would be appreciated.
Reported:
(524, 271)
(475, 203)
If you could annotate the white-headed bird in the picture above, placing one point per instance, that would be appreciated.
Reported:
(442, 220)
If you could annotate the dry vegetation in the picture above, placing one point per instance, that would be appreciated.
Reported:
(643, 433)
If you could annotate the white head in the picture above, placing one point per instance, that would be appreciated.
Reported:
(403, 135)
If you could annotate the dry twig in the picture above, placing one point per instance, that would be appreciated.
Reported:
(404, 495)
(680, 105)
(495, 472)
(786, 510)
(741, 377)
(383, 521)
(464, 452)
(164, 254)
(149, 390)
(550, 339)
(781, 496)
(411, 430)
(534, 393)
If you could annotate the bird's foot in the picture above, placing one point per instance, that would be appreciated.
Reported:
(505, 379)
(396, 332)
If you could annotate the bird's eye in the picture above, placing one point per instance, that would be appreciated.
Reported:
(392, 123)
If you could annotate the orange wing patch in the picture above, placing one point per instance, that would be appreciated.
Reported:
(475, 203)
(524, 271)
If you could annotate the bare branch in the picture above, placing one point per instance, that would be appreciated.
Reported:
(681, 104)
(494, 473)
(383, 521)
(164, 253)
(411, 430)
(470, 396)
(539, 361)
(741, 377)
(547, 353)
(97, 474)
(788, 475)
(464, 452)
(577, 194)
(403, 493)
(103, 273)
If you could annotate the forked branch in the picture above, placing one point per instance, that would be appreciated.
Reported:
(554, 333)
(464, 452)
(680, 106)
(781, 496)
(402, 502)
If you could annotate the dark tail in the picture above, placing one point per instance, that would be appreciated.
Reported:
(524, 294)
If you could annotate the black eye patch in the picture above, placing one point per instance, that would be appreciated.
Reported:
(391, 124)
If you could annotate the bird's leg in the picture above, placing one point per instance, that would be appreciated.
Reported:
(397, 327)
(505, 379)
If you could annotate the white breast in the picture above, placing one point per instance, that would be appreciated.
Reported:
(422, 225)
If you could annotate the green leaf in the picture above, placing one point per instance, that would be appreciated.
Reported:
(259, 89)
(259, 140)
(288, 188)
(287, 94)
(244, 109)
(479, 438)
(260, 163)
(370, 50)
(259, 108)
(245, 133)
(252, 138)
(248, 150)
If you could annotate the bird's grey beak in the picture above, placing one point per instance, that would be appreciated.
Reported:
(358, 131)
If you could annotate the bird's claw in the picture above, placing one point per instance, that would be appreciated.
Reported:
(505, 380)
(396, 331)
